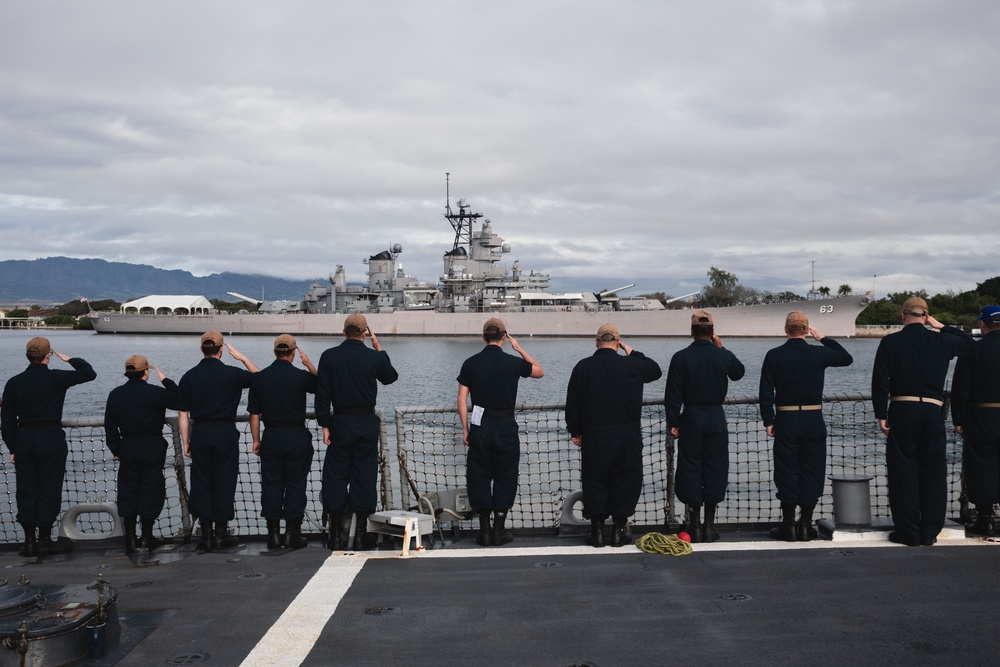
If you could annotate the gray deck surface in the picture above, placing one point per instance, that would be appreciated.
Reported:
(552, 602)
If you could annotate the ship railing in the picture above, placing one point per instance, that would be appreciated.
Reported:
(432, 460)
(421, 452)
(91, 474)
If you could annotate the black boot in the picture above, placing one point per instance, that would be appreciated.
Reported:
(335, 534)
(806, 531)
(223, 538)
(485, 536)
(146, 540)
(207, 541)
(694, 523)
(30, 548)
(293, 534)
(500, 535)
(788, 530)
(49, 547)
(274, 534)
(620, 534)
(708, 531)
(362, 542)
(128, 527)
(984, 521)
(596, 538)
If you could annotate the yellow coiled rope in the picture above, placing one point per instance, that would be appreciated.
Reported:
(658, 543)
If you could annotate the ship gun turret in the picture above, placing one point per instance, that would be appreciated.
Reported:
(600, 295)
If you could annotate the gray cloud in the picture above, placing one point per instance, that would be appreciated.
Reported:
(609, 143)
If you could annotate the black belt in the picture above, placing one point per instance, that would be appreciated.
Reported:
(354, 411)
(293, 423)
(49, 422)
(498, 413)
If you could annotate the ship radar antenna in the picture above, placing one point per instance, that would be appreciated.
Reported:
(447, 193)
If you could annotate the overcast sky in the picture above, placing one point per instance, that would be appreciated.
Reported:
(608, 142)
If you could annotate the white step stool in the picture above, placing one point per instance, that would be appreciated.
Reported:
(403, 524)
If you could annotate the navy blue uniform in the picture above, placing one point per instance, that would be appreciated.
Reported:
(133, 424)
(977, 381)
(914, 362)
(604, 407)
(494, 445)
(698, 378)
(278, 395)
(31, 418)
(210, 393)
(347, 381)
(792, 375)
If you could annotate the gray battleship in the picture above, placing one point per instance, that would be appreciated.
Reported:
(475, 283)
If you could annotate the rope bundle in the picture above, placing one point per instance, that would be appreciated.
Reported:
(658, 543)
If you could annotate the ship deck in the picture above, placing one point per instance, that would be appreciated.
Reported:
(545, 600)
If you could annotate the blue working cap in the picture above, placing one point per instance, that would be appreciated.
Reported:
(990, 315)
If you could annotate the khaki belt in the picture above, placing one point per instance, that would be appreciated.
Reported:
(917, 399)
(986, 405)
(796, 408)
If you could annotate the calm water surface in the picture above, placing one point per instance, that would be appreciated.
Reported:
(427, 366)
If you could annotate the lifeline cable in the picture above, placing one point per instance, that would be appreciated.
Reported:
(658, 543)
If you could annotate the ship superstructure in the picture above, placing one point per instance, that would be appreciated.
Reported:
(475, 280)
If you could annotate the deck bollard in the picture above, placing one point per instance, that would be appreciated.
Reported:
(852, 502)
(96, 640)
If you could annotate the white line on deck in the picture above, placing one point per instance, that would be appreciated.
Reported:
(289, 640)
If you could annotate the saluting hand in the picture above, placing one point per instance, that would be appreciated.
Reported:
(159, 374)
(378, 348)
(61, 355)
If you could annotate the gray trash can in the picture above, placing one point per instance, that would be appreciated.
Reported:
(852, 501)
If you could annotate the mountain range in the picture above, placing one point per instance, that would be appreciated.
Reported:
(56, 280)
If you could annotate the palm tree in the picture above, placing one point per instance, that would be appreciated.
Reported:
(844, 290)
(824, 291)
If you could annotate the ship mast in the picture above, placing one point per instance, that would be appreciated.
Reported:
(462, 221)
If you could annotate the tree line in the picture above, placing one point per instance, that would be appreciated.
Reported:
(724, 289)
